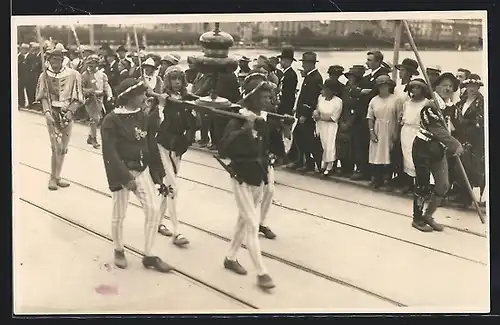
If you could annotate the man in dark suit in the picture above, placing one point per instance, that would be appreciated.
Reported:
(34, 63)
(113, 72)
(365, 92)
(22, 74)
(303, 134)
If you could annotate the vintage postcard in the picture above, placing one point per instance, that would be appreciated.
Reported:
(248, 163)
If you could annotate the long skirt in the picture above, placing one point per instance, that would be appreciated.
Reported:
(408, 134)
(327, 132)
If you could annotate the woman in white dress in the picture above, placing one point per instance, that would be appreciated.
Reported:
(326, 116)
(410, 122)
(383, 116)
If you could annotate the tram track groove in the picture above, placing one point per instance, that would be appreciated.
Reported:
(265, 254)
(329, 196)
(134, 251)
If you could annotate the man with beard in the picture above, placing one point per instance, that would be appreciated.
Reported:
(365, 91)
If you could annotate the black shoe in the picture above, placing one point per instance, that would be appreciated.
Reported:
(120, 259)
(234, 266)
(156, 263)
(265, 281)
(421, 225)
(433, 224)
(267, 232)
(90, 140)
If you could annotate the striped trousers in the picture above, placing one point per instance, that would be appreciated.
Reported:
(267, 196)
(147, 195)
(171, 163)
(248, 198)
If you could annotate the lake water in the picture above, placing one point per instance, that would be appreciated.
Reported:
(449, 61)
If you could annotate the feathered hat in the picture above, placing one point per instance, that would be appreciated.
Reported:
(254, 82)
(128, 88)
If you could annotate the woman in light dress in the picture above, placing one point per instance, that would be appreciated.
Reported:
(326, 116)
(410, 122)
(383, 116)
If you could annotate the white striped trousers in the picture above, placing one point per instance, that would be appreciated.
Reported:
(267, 196)
(147, 195)
(171, 163)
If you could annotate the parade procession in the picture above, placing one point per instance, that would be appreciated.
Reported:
(359, 187)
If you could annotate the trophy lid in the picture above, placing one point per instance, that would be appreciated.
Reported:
(216, 41)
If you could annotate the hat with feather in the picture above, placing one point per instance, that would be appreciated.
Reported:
(254, 82)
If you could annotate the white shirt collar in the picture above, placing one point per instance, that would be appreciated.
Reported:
(315, 69)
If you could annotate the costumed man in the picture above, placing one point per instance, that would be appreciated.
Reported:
(431, 147)
(365, 91)
(176, 127)
(308, 145)
(165, 62)
(59, 89)
(95, 88)
(246, 144)
(133, 164)
(122, 52)
(152, 80)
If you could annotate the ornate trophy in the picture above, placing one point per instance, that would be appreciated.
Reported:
(215, 60)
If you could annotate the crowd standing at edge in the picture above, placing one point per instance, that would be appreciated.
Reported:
(362, 130)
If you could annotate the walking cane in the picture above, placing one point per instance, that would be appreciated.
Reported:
(427, 80)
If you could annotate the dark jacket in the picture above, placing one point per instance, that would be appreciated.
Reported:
(23, 67)
(368, 82)
(128, 143)
(309, 94)
(249, 155)
(113, 75)
(34, 63)
(176, 131)
(288, 85)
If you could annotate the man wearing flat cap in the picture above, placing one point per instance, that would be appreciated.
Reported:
(22, 74)
(304, 132)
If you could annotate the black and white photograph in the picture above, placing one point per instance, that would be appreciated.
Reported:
(250, 163)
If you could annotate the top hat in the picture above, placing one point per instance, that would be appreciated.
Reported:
(287, 53)
(384, 80)
(473, 79)
(449, 76)
(129, 87)
(335, 69)
(121, 48)
(309, 57)
(410, 65)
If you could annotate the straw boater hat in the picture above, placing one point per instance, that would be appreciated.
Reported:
(384, 80)
(287, 52)
(24, 46)
(449, 76)
(254, 82)
(128, 88)
(419, 82)
(170, 58)
(149, 62)
(410, 65)
(433, 69)
(473, 79)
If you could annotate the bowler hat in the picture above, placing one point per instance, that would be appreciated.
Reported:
(410, 65)
(309, 57)
(335, 69)
(287, 53)
(473, 79)
(449, 76)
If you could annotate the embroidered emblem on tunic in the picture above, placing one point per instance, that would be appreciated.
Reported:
(140, 134)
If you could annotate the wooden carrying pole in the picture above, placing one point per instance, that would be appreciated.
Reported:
(397, 45)
(138, 53)
(427, 80)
